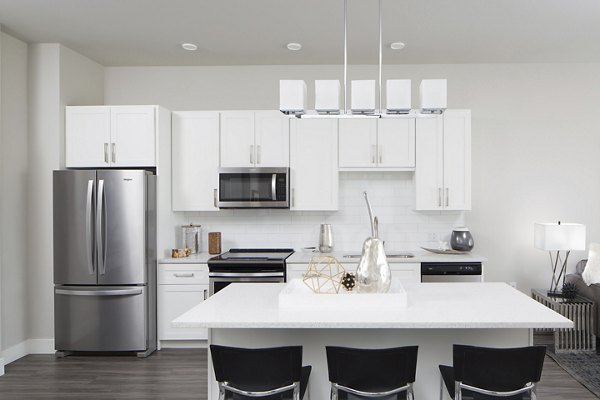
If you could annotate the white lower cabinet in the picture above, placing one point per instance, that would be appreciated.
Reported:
(180, 288)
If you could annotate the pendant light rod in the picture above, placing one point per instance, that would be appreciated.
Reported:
(345, 57)
(380, 52)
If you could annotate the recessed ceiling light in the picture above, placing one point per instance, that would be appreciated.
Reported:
(189, 46)
(294, 46)
(397, 46)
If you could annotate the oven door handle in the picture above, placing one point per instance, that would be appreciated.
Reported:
(245, 274)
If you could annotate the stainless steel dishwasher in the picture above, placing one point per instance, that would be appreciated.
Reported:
(451, 272)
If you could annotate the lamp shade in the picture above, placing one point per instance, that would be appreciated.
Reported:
(559, 236)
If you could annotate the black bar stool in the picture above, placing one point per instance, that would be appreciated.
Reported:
(372, 373)
(491, 373)
(273, 373)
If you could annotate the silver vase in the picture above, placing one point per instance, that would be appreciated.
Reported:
(373, 274)
(325, 239)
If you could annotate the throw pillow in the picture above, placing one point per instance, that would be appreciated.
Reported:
(591, 273)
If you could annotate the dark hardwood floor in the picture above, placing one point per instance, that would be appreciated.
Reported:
(167, 374)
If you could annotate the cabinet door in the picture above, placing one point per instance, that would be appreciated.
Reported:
(195, 147)
(406, 272)
(272, 139)
(396, 142)
(133, 136)
(457, 160)
(429, 163)
(237, 139)
(358, 143)
(314, 164)
(173, 301)
(87, 136)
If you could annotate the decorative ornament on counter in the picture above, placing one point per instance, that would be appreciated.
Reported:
(569, 290)
(324, 275)
(348, 281)
(373, 274)
(181, 253)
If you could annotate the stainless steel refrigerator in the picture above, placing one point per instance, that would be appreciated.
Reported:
(104, 261)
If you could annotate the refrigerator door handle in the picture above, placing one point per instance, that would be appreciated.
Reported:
(100, 240)
(88, 227)
(120, 292)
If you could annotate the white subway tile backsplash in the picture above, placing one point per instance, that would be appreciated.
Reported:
(391, 195)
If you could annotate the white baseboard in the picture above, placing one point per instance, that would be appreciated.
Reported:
(31, 346)
(183, 344)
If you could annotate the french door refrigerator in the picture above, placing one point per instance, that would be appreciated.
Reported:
(104, 261)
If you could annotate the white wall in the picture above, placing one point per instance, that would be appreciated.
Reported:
(58, 77)
(535, 139)
(13, 191)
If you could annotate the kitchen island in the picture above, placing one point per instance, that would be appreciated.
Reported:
(437, 315)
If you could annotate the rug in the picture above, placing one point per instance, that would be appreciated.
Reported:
(584, 366)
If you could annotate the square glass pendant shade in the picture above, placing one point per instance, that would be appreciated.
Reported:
(327, 96)
(398, 95)
(363, 96)
(433, 94)
(559, 236)
(292, 96)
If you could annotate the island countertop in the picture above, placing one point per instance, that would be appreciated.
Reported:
(430, 306)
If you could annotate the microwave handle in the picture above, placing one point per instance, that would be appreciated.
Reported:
(274, 187)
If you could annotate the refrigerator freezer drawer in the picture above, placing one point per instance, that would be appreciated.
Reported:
(100, 318)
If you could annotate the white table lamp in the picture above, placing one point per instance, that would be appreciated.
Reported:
(558, 237)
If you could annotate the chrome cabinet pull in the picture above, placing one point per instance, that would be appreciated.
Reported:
(205, 294)
(189, 275)
(439, 197)
(215, 197)
(106, 153)
(251, 154)
(114, 152)
(373, 151)
(258, 154)
(293, 196)
(447, 197)
(380, 154)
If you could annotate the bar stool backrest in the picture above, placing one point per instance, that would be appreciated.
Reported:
(372, 370)
(257, 369)
(495, 369)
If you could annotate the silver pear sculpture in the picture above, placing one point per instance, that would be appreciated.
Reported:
(373, 274)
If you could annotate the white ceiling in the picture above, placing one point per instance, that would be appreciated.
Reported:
(244, 32)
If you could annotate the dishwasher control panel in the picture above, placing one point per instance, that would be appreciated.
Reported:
(451, 272)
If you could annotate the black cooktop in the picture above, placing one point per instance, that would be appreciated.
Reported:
(253, 255)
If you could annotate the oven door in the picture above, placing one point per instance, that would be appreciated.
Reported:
(253, 188)
(220, 280)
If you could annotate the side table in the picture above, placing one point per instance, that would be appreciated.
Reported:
(581, 311)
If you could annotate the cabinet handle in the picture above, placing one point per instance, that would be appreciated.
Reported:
(439, 197)
(106, 153)
(373, 151)
(189, 275)
(293, 196)
(215, 197)
(114, 152)
(447, 197)
(251, 154)
(205, 294)
(258, 154)
(380, 154)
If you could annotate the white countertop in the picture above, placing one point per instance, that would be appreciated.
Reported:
(300, 257)
(200, 258)
(430, 305)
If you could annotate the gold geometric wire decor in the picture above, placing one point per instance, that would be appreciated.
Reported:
(324, 275)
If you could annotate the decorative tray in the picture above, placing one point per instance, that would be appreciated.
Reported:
(448, 251)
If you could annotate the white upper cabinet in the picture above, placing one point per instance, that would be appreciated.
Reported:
(358, 143)
(254, 139)
(314, 164)
(237, 139)
(396, 143)
(272, 139)
(443, 173)
(195, 158)
(111, 136)
(385, 144)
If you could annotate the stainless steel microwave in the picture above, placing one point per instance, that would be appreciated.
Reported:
(254, 188)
